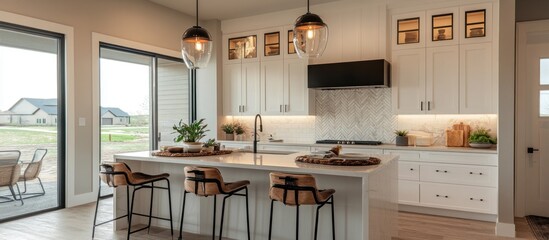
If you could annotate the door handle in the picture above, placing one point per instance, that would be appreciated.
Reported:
(532, 150)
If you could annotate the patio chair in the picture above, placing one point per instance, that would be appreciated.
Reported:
(32, 171)
(9, 174)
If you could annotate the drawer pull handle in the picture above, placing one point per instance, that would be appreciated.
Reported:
(480, 199)
(411, 169)
(474, 173)
(446, 196)
(441, 171)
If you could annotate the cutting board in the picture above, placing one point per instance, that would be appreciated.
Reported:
(454, 138)
(466, 132)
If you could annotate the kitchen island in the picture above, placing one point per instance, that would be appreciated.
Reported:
(365, 198)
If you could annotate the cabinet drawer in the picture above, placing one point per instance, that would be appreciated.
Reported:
(408, 191)
(350, 150)
(458, 197)
(285, 148)
(408, 171)
(404, 155)
(459, 174)
(487, 159)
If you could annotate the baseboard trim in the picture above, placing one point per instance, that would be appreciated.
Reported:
(448, 213)
(505, 229)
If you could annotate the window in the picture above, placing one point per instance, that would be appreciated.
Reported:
(243, 47)
(43, 120)
(38, 120)
(544, 85)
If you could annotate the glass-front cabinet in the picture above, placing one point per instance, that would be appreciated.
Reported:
(243, 47)
(443, 27)
(271, 44)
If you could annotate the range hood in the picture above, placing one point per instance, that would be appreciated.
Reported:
(361, 74)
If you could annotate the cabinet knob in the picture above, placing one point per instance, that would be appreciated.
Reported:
(411, 169)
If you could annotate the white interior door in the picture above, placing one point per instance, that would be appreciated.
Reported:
(532, 155)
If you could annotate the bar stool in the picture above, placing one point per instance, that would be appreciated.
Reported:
(116, 174)
(207, 181)
(304, 191)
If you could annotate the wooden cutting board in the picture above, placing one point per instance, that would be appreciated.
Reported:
(454, 138)
(466, 132)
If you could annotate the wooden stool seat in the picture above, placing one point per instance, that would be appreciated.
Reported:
(207, 181)
(116, 174)
(296, 190)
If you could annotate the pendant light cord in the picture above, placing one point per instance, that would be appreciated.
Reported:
(307, 7)
(197, 12)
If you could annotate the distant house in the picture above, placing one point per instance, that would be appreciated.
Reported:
(34, 111)
(114, 116)
(39, 111)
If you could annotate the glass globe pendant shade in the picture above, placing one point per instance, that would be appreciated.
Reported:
(310, 36)
(196, 47)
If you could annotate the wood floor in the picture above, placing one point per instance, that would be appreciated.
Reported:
(76, 223)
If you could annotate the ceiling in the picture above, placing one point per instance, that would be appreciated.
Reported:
(229, 9)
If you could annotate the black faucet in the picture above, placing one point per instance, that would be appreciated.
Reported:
(255, 130)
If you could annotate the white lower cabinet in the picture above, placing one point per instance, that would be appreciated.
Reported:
(444, 180)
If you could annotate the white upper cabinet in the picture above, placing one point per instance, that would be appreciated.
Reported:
(453, 70)
(476, 82)
(477, 25)
(442, 27)
(241, 89)
(408, 76)
(284, 88)
(242, 47)
(408, 31)
(298, 98)
(442, 87)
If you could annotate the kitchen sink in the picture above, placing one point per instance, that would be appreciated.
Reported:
(274, 152)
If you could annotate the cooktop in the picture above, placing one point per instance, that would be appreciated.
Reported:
(329, 141)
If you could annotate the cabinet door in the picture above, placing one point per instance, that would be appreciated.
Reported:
(476, 82)
(232, 74)
(442, 87)
(296, 98)
(408, 75)
(250, 87)
(272, 87)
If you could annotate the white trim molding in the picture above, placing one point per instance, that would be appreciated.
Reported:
(70, 148)
(505, 229)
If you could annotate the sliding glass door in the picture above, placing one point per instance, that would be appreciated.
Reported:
(142, 95)
(32, 120)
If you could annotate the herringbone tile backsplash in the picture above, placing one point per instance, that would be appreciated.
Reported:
(358, 114)
(355, 114)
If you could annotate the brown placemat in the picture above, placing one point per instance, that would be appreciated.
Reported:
(339, 161)
(200, 154)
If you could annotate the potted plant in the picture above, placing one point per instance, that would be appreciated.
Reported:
(480, 138)
(190, 134)
(401, 137)
(208, 146)
(239, 131)
(228, 129)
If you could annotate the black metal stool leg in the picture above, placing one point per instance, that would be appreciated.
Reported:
(150, 208)
(271, 220)
(247, 214)
(170, 205)
(297, 223)
(182, 215)
(222, 215)
(96, 207)
(213, 228)
(333, 220)
(316, 221)
(130, 213)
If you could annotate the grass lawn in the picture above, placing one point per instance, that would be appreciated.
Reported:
(117, 138)
(14, 137)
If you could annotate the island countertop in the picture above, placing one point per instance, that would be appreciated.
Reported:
(260, 161)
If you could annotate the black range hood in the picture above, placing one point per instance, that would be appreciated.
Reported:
(361, 74)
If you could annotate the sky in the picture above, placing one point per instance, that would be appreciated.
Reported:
(33, 74)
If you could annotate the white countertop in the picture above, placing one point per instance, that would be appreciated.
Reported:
(382, 147)
(268, 162)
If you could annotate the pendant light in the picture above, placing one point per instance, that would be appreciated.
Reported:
(196, 46)
(310, 35)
